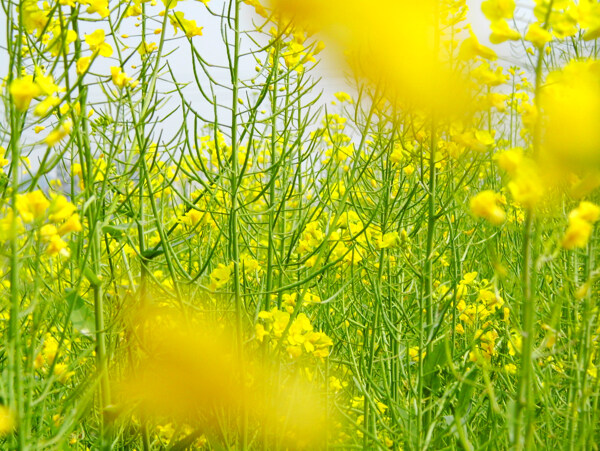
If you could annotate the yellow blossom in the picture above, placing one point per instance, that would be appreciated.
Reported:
(220, 275)
(83, 64)
(57, 246)
(471, 48)
(587, 211)
(510, 160)
(388, 240)
(258, 7)
(61, 372)
(501, 32)
(580, 226)
(570, 113)
(527, 188)
(47, 231)
(7, 420)
(417, 76)
(485, 205)
(343, 97)
(189, 27)
(498, 9)
(58, 134)
(98, 6)
(96, 41)
(397, 154)
(46, 83)
(119, 78)
(44, 107)
(415, 354)
(70, 225)
(32, 206)
(23, 90)
(537, 35)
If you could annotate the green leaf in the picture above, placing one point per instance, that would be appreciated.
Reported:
(82, 316)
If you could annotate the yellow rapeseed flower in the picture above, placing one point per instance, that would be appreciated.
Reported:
(58, 134)
(577, 234)
(23, 90)
(417, 75)
(581, 221)
(570, 113)
(98, 6)
(510, 160)
(83, 64)
(7, 420)
(501, 32)
(70, 225)
(32, 206)
(537, 35)
(119, 78)
(588, 13)
(189, 27)
(96, 41)
(343, 97)
(587, 211)
(485, 205)
(57, 246)
(388, 240)
(471, 48)
(498, 9)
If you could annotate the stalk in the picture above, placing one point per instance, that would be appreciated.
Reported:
(426, 301)
(233, 218)
(272, 192)
(15, 388)
(524, 409)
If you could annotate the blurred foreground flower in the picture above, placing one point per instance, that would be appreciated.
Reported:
(486, 205)
(399, 45)
(190, 370)
(570, 114)
(7, 420)
(581, 221)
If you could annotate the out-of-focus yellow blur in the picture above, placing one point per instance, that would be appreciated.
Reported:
(191, 371)
(403, 47)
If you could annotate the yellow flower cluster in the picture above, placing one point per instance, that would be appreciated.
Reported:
(120, 78)
(24, 89)
(289, 300)
(35, 208)
(301, 336)
(487, 302)
(312, 236)
(222, 274)
(49, 353)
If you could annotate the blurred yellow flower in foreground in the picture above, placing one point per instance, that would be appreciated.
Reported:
(23, 90)
(570, 113)
(192, 371)
(581, 222)
(7, 420)
(395, 44)
(485, 205)
(32, 206)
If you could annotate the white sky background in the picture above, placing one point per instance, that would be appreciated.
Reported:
(212, 48)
